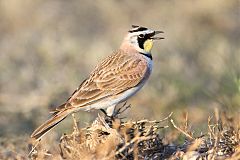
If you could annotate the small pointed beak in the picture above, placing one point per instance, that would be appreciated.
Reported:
(157, 32)
(157, 38)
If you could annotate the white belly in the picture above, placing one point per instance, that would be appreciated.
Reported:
(112, 101)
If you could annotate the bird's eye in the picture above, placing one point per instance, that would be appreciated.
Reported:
(141, 36)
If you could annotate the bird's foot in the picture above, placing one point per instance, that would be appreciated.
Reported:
(108, 119)
(121, 109)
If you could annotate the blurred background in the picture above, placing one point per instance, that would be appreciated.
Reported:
(47, 48)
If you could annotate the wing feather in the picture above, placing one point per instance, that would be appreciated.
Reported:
(116, 74)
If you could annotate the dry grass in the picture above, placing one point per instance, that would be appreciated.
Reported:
(144, 139)
(114, 140)
(221, 142)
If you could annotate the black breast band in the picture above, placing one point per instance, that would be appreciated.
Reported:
(147, 55)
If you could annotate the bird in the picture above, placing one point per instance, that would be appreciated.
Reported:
(114, 80)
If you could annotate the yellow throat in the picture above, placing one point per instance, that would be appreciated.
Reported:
(148, 44)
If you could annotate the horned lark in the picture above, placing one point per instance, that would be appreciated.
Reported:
(113, 81)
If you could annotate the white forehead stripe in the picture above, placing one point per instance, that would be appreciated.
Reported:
(148, 31)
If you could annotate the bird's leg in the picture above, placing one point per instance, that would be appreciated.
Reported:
(104, 112)
(107, 118)
(109, 115)
(121, 109)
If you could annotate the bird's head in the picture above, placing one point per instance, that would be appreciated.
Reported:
(141, 38)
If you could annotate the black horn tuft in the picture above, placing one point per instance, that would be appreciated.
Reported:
(135, 26)
(137, 29)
